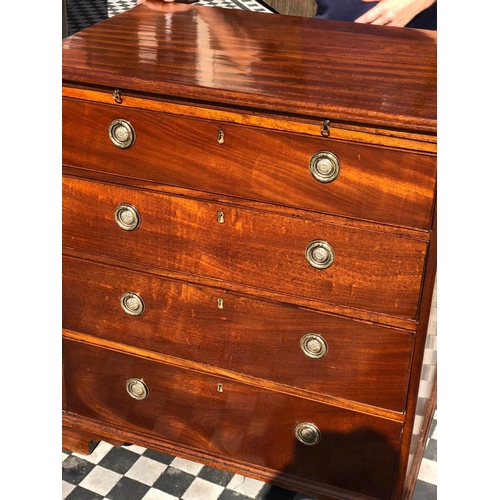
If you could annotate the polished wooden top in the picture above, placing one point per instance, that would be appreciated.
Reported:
(365, 75)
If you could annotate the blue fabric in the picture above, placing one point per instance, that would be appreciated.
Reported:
(349, 10)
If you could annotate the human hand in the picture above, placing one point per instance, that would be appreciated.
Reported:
(394, 12)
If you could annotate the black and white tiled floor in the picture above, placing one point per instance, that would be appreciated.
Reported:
(131, 472)
(84, 13)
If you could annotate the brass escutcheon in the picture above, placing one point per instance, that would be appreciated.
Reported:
(307, 433)
(132, 303)
(137, 388)
(320, 254)
(127, 217)
(313, 345)
(324, 166)
(121, 133)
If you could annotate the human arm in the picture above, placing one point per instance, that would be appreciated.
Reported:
(394, 12)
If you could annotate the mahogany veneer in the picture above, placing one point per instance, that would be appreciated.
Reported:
(249, 243)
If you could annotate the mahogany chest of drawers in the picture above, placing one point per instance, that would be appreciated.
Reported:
(249, 244)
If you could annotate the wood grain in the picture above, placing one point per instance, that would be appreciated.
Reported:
(273, 62)
(83, 428)
(240, 422)
(365, 363)
(373, 271)
(228, 300)
(377, 184)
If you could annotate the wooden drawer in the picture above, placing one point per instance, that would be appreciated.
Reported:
(372, 270)
(364, 363)
(358, 452)
(375, 183)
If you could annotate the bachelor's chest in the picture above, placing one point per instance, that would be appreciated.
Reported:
(249, 244)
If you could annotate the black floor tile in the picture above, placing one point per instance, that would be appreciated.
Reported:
(269, 492)
(128, 489)
(163, 458)
(433, 427)
(75, 469)
(80, 493)
(216, 476)
(431, 450)
(119, 460)
(174, 482)
(425, 491)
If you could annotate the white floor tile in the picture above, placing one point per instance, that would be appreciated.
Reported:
(67, 488)
(146, 471)
(154, 494)
(245, 485)
(100, 480)
(186, 465)
(202, 489)
(428, 471)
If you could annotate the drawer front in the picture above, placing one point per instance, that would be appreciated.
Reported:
(270, 340)
(374, 183)
(370, 270)
(356, 451)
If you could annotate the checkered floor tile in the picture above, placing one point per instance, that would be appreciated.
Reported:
(84, 13)
(134, 473)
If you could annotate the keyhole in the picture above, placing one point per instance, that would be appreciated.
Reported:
(220, 217)
(219, 387)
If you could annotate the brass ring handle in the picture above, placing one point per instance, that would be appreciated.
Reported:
(324, 166)
(137, 388)
(313, 345)
(320, 254)
(307, 433)
(121, 133)
(127, 217)
(132, 303)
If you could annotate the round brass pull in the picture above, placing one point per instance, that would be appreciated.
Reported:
(313, 345)
(320, 254)
(127, 217)
(121, 133)
(132, 303)
(324, 166)
(307, 433)
(137, 388)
